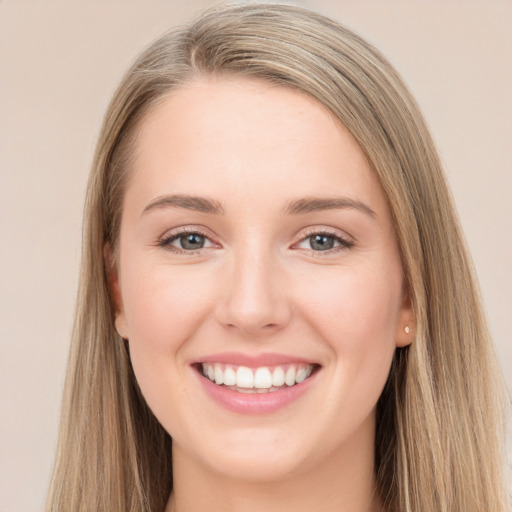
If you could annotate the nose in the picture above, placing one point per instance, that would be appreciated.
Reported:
(255, 300)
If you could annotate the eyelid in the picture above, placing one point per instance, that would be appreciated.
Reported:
(345, 241)
(171, 235)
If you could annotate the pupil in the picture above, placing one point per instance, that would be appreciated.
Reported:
(192, 241)
(321, 242)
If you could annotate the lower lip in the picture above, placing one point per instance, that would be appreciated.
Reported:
(255, 403)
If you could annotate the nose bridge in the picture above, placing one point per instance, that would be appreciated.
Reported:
(255, 299)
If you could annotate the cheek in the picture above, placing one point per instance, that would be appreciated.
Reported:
(352, 304)
(163, 304)
(355, 313)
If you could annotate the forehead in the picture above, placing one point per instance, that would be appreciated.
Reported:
(228, 136)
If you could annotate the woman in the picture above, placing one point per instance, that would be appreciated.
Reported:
(274, 278)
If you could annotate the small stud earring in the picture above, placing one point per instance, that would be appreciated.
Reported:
(407, 329)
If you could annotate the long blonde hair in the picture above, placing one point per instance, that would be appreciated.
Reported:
(440, 417)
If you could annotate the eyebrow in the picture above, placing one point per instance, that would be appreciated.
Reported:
(296, 207)
(317, 204)
(198, 204)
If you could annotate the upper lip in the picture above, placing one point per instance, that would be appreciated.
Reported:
(253, 360)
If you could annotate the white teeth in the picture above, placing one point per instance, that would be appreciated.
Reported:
(244, 377)
(262, 378)
(256, 380)
(219, 374)
(290, 376)
(301, 375)
(229, 376)
(278, 377)
(249, 390)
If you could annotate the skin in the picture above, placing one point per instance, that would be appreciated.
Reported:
(259, 286)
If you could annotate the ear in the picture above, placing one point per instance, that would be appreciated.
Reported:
(406, 322)
(114, 290)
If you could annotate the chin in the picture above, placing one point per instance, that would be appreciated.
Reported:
(256, 468)
(270, 459)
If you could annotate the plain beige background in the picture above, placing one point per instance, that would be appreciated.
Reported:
(59, 64)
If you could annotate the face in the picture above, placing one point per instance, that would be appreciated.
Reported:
(256, 247)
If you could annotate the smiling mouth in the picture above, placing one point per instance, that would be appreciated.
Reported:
(263, 379)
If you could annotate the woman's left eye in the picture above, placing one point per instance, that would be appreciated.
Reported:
(324, 242)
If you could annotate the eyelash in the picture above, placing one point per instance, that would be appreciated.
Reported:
(166, 242)
(344, 243)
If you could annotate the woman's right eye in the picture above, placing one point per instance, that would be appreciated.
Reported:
(187, 241)
(191, 242)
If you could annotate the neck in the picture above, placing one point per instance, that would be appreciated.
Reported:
(344, 482)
